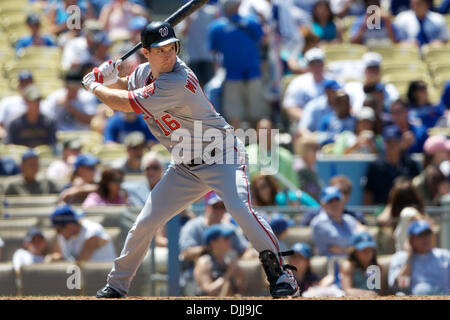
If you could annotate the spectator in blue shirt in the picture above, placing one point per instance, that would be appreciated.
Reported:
(362, 32)
(345, 187)
(121, 124)
(319, 107)
(35, 39)
(323, 25)
(341, 119)
(420, 25)
(413, 134)
(333, 230)
(422, 269)
(237, 39)
(420, 107)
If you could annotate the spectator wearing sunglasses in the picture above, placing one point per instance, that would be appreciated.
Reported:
(152, 165)
(109, 190)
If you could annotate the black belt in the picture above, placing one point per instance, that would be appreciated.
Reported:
(194, 164)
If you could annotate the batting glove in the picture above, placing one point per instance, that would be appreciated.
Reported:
(108, 72)
(89, 82)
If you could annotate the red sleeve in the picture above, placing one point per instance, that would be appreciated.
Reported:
(133, 103)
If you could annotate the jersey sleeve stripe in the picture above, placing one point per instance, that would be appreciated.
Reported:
(140, 105)
(133, 103)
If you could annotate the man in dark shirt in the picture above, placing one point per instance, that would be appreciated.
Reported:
(32, 128)
(28, 183)
(382, 172)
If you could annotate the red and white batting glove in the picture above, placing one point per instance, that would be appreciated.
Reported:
(108, 72)
(89, 82)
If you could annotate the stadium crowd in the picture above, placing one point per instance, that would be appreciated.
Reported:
(335, 77)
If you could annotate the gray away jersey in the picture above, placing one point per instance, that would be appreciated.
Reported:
(173, 106)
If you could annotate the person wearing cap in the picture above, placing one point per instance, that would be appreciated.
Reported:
(28, 182)
(60, 169)
(168, 95)
(371, 82)
(109, 191)
(79, 239)
(419, 25)
(216, 271)
(422, 269)
(354, 271)
(115, 16)
(361, 31)
(238, 40)
(192, 232)
(363, 139)
(413, 134)
(11, 107)
(33, 128)
(136, 145)
(35, 38)
(421, 110)
(71, 107)
(340, 119)
(319, 107)
(332, 229)
(33, 251)
(301, 259)
(306, 87)
(280, 226)
(345, 186)
(101, 49)
(82, 180)
(123, 123)
(191, 238)
(381, 173)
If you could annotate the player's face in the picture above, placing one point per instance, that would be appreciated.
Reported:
(162, 58)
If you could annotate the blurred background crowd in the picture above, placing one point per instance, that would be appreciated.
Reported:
(339, 79)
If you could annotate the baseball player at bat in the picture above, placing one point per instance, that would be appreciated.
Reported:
(167, 93)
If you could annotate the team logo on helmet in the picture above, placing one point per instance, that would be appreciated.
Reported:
(164, 31)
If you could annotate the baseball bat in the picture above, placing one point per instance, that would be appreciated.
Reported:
(176, 17)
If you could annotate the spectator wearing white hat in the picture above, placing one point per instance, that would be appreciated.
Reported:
(307, 86)
(420, 25)
(371, 81)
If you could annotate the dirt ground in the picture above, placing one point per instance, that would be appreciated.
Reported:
(228, 298)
